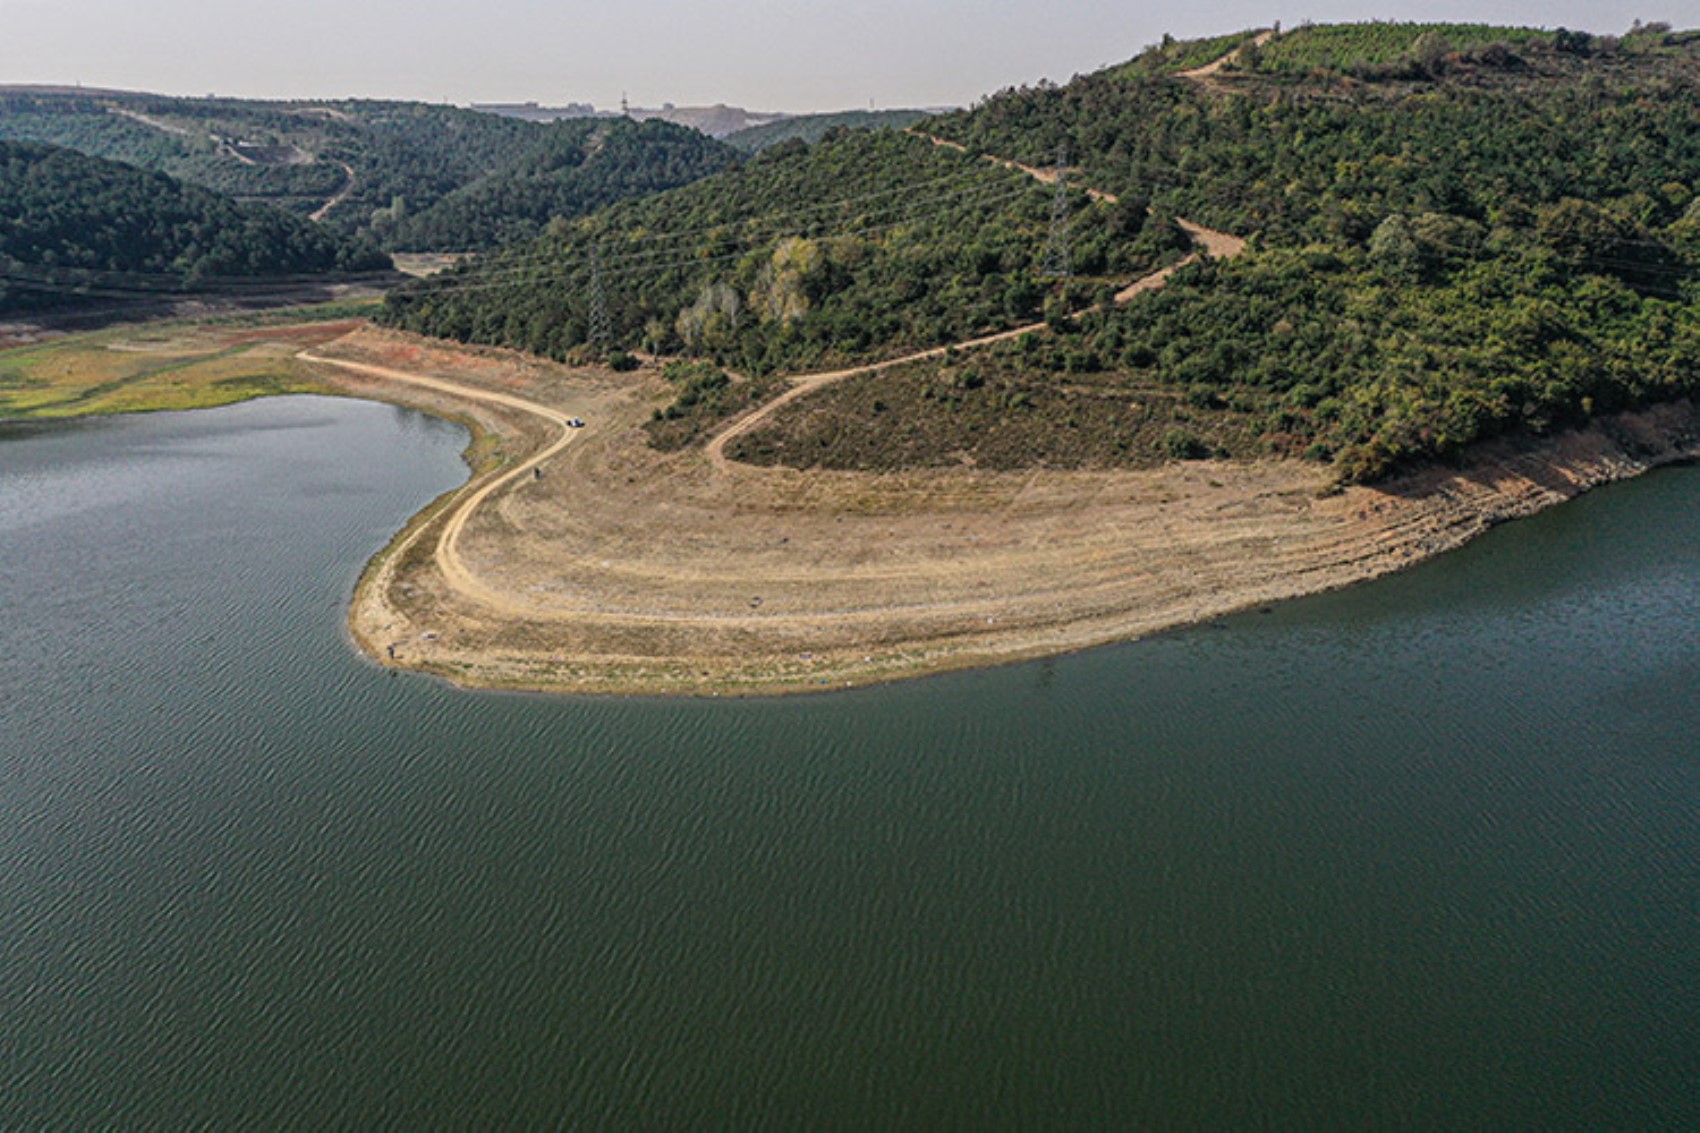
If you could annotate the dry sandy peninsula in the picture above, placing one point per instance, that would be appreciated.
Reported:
(580, 560)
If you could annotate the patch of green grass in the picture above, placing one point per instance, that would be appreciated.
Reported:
(184, 365)
(1354, 47)
(1174, 55)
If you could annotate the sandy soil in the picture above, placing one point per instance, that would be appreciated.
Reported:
(626, 570)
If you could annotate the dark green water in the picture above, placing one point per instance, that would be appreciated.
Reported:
(1424, 854)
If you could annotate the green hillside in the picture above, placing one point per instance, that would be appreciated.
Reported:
(573, 167)
(383, 164)
(1455, 232)
(74, 227)
(814, 127)
(863, 246)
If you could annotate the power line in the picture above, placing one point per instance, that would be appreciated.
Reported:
(599, 331)
(1058, 263)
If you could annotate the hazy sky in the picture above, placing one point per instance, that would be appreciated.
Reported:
(762, 54)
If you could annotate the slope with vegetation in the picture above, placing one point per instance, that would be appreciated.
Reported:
(574, 167)
(1457, 232)
(385, 165)
(1450, 243)
(814, 127)
(864, 246)
(73, 226)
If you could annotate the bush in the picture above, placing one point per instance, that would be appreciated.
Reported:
(1178, 444)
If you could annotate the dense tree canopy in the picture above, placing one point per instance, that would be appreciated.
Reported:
(389, 165)
(1448, 245)
(574, 167)
(73, 225)
(861, 246)
(1456, 232)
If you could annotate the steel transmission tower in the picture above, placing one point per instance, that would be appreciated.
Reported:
(599, 330)
(1057, 263)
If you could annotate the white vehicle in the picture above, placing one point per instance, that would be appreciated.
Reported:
(575, 422)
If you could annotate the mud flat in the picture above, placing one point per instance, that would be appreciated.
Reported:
(583, 561)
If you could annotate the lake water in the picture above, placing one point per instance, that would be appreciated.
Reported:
(1421, 854)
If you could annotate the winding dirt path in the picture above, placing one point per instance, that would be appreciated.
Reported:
(629, 570)
(1206, 242)
(716, 448)
(1048, 176)
(151, 123)
(318, 214)
(447, 552)
(1207, 75)
(342, 194)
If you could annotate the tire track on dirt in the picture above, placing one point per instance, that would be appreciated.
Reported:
(447, 551)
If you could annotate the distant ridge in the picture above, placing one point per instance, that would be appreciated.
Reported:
(717, 121)
(814, 127)
(367, 168)
(76, 229)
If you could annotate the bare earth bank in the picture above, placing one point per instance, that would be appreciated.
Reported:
(624, 570)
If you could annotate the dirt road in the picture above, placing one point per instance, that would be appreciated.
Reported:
(629, 570)
(1207, 75)
(716, 448)
(342, 194)
(661, 580)
(151, 123)
(447, 551)
(1206, 241)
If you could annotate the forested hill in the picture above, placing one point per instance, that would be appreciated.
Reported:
(360, 167)
(1458, 230)
(1455, 232)
(1323, 132)
(814, 127)
(862, 246)
(573, 167)
(74, 227)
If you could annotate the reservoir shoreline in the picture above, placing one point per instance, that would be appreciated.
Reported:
(1295, 536)
(579, 560)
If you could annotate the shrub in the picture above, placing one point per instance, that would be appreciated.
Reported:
(1178, 444)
